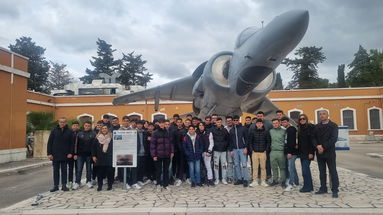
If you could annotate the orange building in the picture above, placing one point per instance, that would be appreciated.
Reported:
(13, 93)
(358, 108)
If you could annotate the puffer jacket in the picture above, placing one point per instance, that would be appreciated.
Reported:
(259, 140)
(193, 153)
(221, 139)
(161, 144)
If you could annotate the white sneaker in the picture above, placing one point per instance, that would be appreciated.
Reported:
(136, 186)
(140, 183)
(178, 183)
(253, 184)
(93, 182)
(158, 188)
(147, 182)
(75, 186)
(188, 181)
(70, 185)
(263, 183)
(216, 182)
(288, 188)
(127, 186)
(154, 182)
(224, 181)
(89, 184)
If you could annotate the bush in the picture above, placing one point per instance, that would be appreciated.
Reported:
(40, 121)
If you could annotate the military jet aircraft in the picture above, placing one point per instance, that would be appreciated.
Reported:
(230, 83)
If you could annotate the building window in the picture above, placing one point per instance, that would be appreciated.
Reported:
(158, 115)
(375, 118)
(317, 117)
(111, 115)
(294, 115)
(348, 118)
(135, 116)
(85, 117)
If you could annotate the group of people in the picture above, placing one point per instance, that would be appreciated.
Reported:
(199, 152)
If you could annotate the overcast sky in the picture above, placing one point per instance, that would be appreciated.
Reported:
(176, 36)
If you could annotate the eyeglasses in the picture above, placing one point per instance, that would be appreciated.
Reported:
(302, 119)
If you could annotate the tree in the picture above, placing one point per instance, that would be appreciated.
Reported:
(341, 79)
(132, 70)
(366, 69)
(103, 63)
(305, 68)
(278, 82)
(59, 76)
(38, 67)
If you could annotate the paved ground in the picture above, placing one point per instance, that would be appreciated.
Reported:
(25, 184)
(358, 193)
(357, 159)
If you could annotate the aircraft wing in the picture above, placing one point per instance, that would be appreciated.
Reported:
(253, 106)
(180, 90)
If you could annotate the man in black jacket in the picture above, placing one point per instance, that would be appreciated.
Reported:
(179, 161)
(325, 135)
(259, 141)
(59, 149)
(291, 149)
(72, 164)
(82, 153)
(238, 151)
(221, 142)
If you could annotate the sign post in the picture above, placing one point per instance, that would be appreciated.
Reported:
(124, 150)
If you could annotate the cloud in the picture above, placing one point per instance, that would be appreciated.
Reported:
(176, 36)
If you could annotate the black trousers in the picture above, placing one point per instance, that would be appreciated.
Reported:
(105, 171)
(141, 167)
(162, 168)
(59, 166)
(179, 165)
(72, 165)
(330, 162)
(268, 164)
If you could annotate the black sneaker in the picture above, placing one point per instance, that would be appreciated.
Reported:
(109, 187)
(245, 183)
(200, 184)
(274, 183)
(283, 185)
(229, 180)
(335, 195)
(54, 189)
(192, 184)
(64, 188)
(238, 182)
(304, 190)
(99, 188)
(320, 192)
(211, 183)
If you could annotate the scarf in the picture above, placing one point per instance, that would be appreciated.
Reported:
(104, 140)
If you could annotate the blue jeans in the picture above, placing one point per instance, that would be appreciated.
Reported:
(306, 173)
(230, 166)
(240, 164)
(293, 175)
(195, 171)
(80, 165)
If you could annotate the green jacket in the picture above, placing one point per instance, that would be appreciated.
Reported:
(277, 139)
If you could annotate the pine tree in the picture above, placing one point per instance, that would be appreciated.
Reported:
(341, 79)
(59, 76)
(38, 67)
(132, 70)
(103, 63)
(305, 68)
(278, 82)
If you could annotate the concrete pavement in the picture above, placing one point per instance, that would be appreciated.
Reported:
(359, 194)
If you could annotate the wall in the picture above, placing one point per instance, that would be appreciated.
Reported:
(13, 82)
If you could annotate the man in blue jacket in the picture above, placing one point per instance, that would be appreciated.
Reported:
(59, 149)
(238, 150)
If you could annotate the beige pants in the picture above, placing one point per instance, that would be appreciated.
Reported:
(259, 159)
